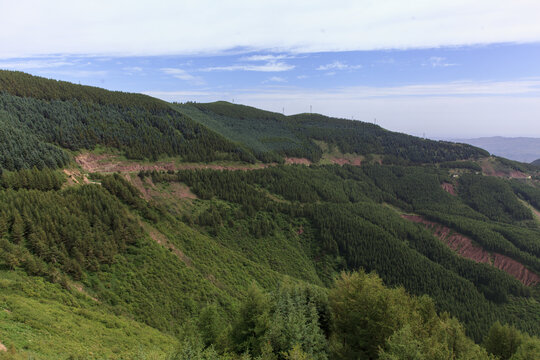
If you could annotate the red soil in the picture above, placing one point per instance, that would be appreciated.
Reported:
(464, 247)
(301, 161)
(356, 161)
(517, 175)
(449, 188)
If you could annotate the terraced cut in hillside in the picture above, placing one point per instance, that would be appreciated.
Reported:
(465, 247)
(109, 164)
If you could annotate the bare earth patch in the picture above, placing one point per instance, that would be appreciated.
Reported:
(449, 188)
(108, 163)
(181, 191)
(3, 347)
(150, 192)
(139, 185)
(489, 170)
(298, 161)
(355, 161)
(161, 239)
(74, 177)
(465, 247)
(71, 177)
(78, 287)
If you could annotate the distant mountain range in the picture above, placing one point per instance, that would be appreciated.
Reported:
(524, 149)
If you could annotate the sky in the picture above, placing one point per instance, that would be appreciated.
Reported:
(440, 69)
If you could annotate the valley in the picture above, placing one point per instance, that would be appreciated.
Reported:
(136, 228)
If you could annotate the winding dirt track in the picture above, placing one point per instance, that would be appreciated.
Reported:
(465, 247)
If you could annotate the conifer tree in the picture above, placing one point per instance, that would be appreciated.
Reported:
(252, 323)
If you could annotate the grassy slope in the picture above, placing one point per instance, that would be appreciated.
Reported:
(150, 284)
(42, 320)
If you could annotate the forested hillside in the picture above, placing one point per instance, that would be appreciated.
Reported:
(228, 252)
(269, 134)
(79, 117)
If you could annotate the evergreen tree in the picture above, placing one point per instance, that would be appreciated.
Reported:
(17, 228)
(252, 323)
(502, 341)
(295, 322)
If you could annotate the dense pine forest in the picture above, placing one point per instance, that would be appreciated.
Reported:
(269, 134)
(384, 246)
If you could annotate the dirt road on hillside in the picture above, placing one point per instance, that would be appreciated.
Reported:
(108, 163)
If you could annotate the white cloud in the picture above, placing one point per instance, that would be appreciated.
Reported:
(34, 64)
(526, 87)
(338, 65)
(133, 69)
(277, 79)
(183, 75)
(271, 66)
(114, 27)
(266, 57)
(437, 61)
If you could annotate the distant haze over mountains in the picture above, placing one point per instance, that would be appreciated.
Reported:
(524, 149)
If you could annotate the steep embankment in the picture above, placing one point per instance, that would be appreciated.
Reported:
(464, 246)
